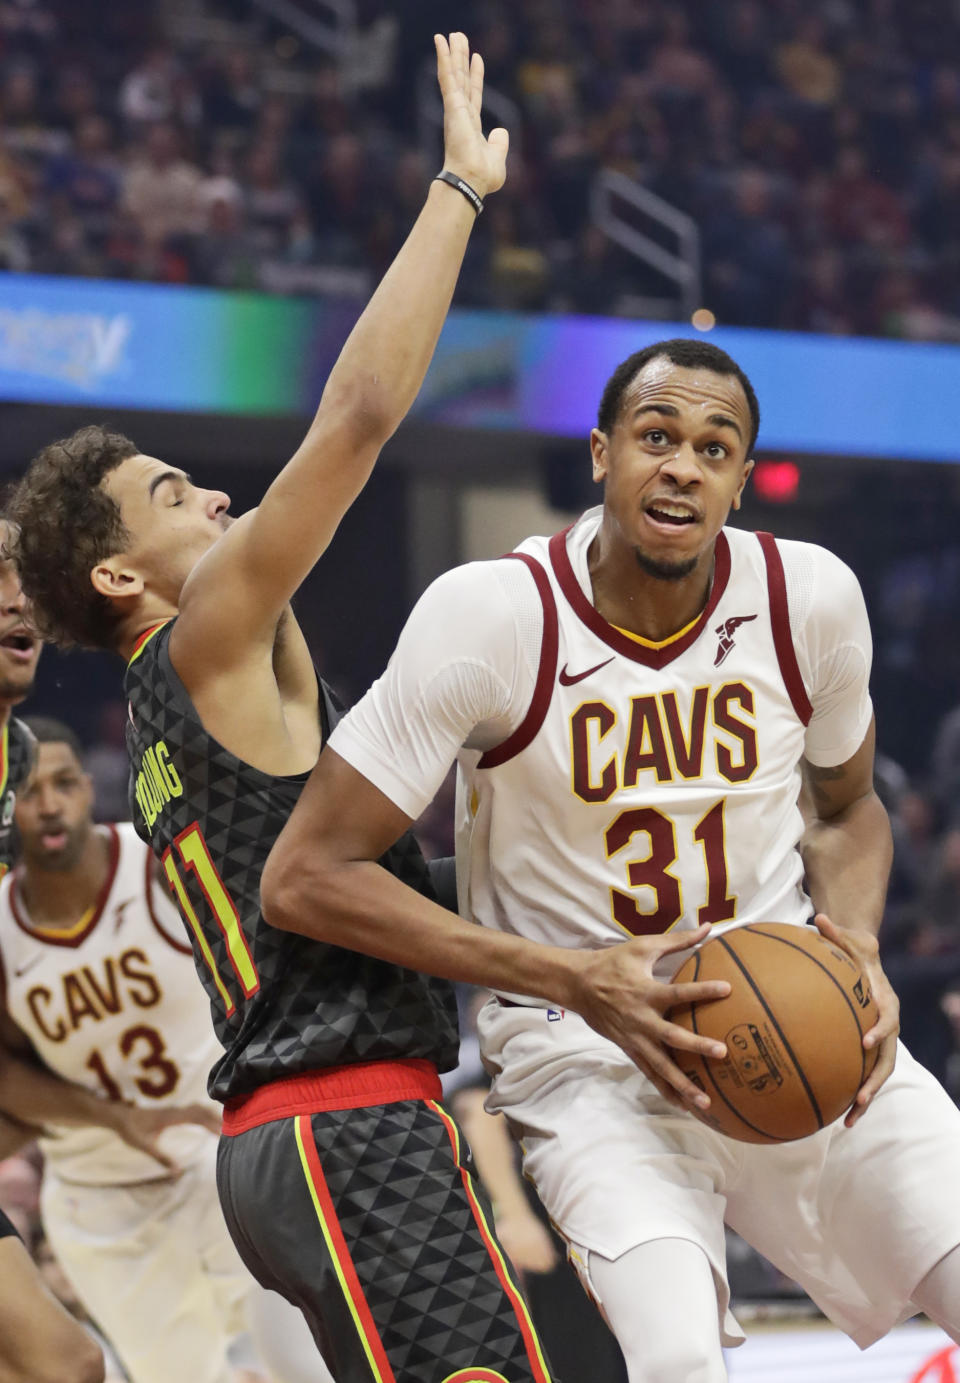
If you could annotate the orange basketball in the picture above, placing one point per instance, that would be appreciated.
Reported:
(793, 1024)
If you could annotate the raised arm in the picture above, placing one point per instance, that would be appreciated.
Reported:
(247, 578)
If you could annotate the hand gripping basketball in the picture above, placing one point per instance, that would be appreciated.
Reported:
(800, 1008)
(622, 1000)
(863, 947)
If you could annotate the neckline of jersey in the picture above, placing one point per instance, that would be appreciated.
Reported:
(70, 936)
(653, 655)
(145, 638)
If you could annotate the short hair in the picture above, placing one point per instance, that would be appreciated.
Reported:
(46, 730)
(63, 523)
(690, 355)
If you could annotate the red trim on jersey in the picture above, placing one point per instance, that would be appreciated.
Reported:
(145, 638)
(621, 643)
(49, 935)
(338, 1087)
(151, 878)
(780, 624)
(546, 672)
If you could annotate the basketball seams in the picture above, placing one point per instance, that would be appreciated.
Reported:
(777, 1028)
(710, 1076)
(769, 936)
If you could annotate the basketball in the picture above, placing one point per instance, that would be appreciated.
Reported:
(793, 1025)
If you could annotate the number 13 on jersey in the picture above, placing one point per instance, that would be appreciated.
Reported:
(194, 856)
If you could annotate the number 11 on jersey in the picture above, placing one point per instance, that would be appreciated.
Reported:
(194, 854)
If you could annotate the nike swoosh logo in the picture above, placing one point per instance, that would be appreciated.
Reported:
(34, 960)
(569, 679)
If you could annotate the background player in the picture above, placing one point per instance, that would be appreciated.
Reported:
(39, 1341)
(19, 655)
(100, 986)
(346, 1188)
(620, 777)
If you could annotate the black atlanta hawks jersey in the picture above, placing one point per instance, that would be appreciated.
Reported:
(281, 1003)
(17, 748)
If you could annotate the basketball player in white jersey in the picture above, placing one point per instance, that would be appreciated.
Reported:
(39, 1341)
(633, 704)
(99, 984)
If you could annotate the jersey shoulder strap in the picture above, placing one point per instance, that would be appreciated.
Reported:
(546, 671)
(780, 625)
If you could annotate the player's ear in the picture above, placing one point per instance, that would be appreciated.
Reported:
(599, 446)
(115, 580)
(747, 468)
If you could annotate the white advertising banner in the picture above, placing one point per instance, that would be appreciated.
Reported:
(914, 1353)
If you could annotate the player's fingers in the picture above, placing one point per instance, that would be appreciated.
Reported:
(668, 996)
(823, 924)
(672, 1035)
(678, 940)
(476, 84)
(665, 1073)
(887, 1025)
(859, 943)
(663, 1088)
(499, 140)
(886, 1061)
(460, 53)
(444, 63)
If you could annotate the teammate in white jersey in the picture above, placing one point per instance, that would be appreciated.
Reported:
(632, 705)
(99, 984)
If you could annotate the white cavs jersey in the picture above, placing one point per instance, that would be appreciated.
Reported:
(610, 787)
(650, 786)
(112, 1005)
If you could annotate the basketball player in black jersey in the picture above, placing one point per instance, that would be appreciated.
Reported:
(344, 1182)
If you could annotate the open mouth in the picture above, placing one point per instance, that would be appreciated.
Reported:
(673, 515)
(53, 840)
(19, 643)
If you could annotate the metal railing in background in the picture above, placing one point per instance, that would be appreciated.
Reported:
(610, 191)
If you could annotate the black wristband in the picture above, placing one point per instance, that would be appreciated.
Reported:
(474, 198)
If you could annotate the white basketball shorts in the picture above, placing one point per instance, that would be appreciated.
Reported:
(857, 1217)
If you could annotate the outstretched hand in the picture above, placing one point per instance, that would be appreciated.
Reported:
(480, 161)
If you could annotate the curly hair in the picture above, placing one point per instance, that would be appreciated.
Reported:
(62, 523)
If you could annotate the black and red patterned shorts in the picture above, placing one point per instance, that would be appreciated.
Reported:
(351, 1192)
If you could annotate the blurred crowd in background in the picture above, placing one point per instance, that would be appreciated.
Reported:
(815, 142)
